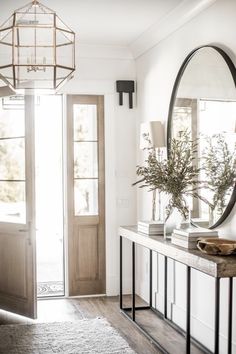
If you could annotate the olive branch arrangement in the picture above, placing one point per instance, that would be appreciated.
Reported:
(219, 164)
(177, 176)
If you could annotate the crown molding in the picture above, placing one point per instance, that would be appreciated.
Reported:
(181, 14)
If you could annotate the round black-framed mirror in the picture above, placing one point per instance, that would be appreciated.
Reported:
(207, 78)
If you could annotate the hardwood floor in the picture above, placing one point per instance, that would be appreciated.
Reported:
(75, 309)
(80, 308)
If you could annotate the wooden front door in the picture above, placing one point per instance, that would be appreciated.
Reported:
(86, 194)
(17, 214)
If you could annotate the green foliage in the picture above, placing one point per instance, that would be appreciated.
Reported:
(219, 164)
(176, 176)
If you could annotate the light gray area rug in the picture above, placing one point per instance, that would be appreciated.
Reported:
(78, 337)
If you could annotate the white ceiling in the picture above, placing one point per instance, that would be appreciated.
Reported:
(136, 25)
(102, 22)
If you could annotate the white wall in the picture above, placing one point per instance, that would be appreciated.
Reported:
(98, 68)
(156, 72)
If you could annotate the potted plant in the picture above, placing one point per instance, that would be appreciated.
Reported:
(177, 175)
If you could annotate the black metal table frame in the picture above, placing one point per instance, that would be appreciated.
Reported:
(187, 333)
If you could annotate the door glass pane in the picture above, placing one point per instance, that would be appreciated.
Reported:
(86, 197)
(12, 157)
(12, 120)
(182, 120)
(12, 161)
(12, 202)
(85, 160)
(85, 122)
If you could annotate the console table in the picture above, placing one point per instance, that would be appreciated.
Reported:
(214, 266)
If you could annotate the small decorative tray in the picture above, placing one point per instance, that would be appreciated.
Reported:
(217, 246)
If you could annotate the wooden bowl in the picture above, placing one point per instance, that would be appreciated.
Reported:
(217, 246)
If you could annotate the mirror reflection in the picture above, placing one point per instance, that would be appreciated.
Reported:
(205, 105)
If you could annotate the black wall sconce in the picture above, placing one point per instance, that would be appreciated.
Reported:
(125, 86)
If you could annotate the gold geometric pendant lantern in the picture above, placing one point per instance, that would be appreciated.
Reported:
(37, 50)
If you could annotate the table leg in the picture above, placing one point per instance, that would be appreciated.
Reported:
(133, 281)
(188, 310)
(121, 273)
(217, 314)
(230, 315)
(150, 283)
(165, 286)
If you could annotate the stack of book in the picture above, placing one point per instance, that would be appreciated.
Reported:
(152, 228)
(188, 237)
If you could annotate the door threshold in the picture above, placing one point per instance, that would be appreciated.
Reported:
(57, 297)
(85, 296)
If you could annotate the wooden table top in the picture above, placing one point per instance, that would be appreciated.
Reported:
(216, 266)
